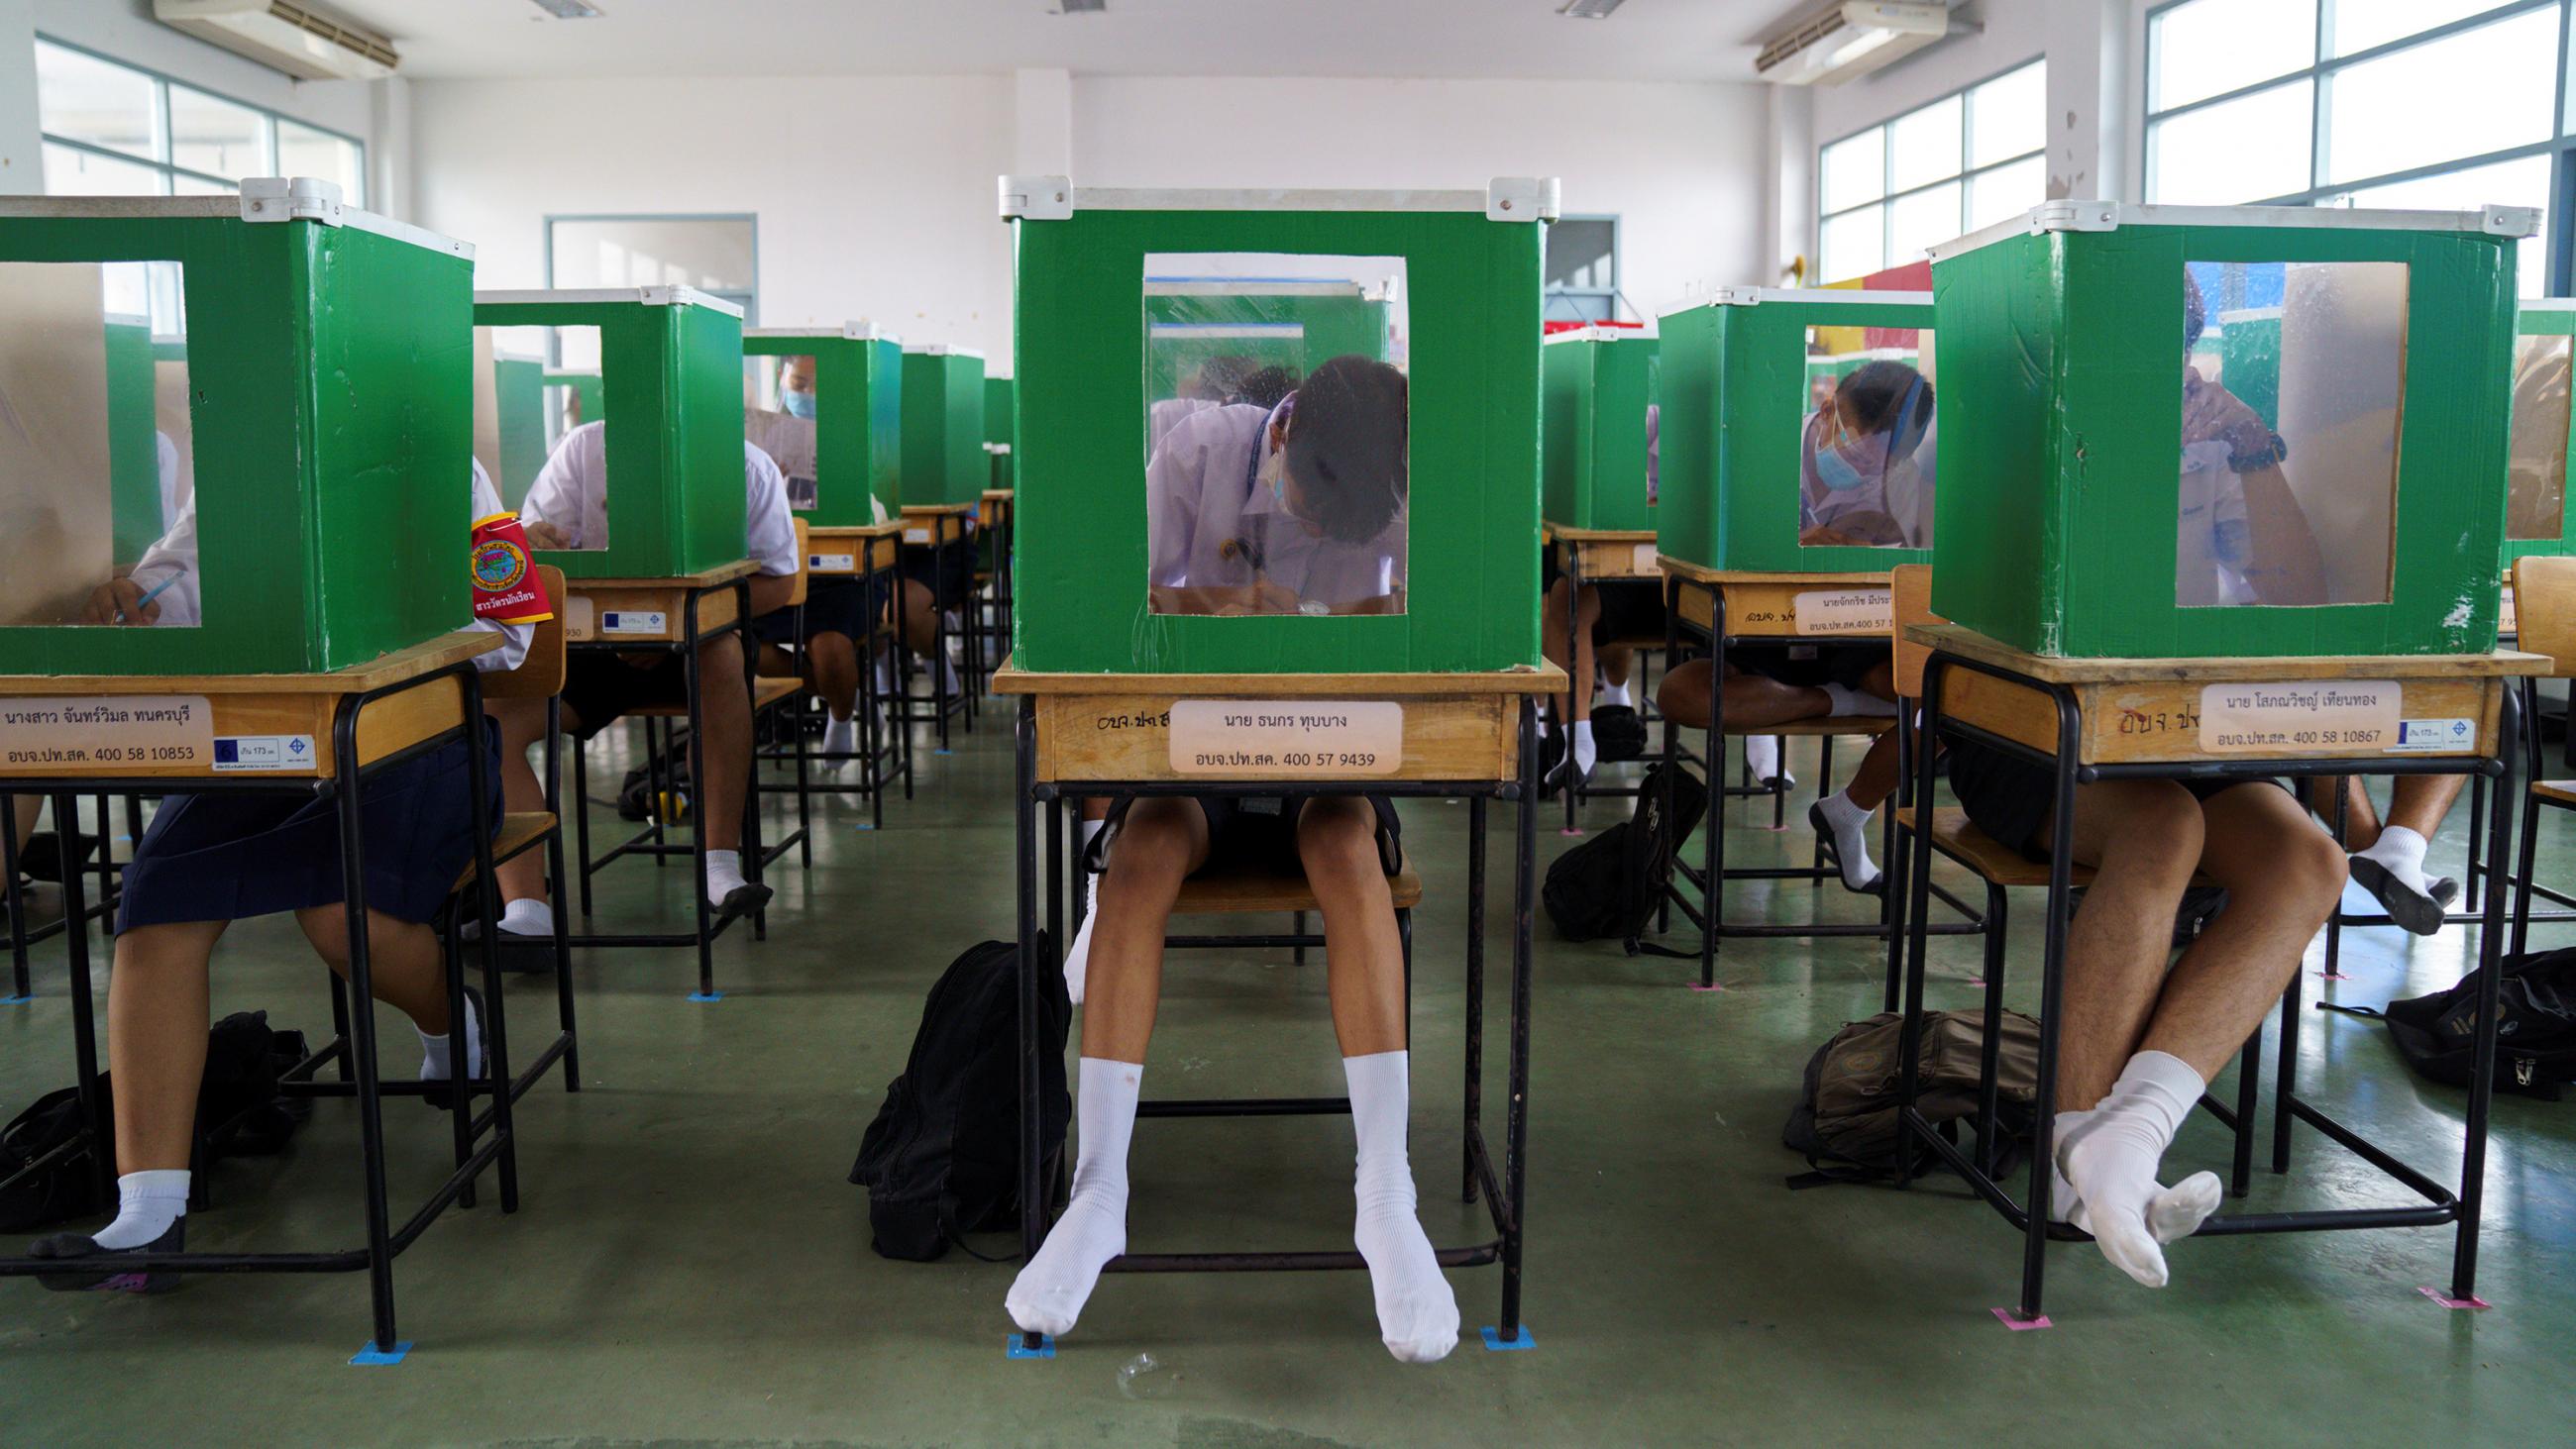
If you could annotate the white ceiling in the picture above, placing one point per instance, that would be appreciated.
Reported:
(1686, 40)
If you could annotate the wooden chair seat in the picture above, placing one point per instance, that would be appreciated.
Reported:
(766, 690)
(1955, 837)
(1240, 891)
(519, 830)
(1870, 725)
(2556, 792)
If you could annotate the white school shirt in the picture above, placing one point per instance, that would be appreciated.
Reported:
(2210, 530)
(789, 442)
(1166, 415)
(175, 554)
(1202, 492)
(571, 492)
(167, 455)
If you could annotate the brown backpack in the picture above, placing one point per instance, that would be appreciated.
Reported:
(1846, 1123)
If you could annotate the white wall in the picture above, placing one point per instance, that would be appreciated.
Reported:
(884, 210)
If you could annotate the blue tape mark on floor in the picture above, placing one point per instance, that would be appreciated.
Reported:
(371, 1356)
(943, 752)
(1017, 1349)
(706, 996)
(15, 1000)
(863, 825)
(1496, 1343)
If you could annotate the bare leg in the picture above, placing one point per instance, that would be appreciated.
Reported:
(523, 724)
(1618, 662)
(1578, 668)
(403, 964)
(2143, 839)
(2282, 876)
(833, 669)
(726, 710)
(1363, 954)
(1753, 702)
(156, 1041)
(919, 618)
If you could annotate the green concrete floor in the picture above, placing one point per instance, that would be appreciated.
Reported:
(689, 1266)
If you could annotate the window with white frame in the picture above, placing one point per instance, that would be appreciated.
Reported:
(2435, 104)
(112, 129)
(1939, 171)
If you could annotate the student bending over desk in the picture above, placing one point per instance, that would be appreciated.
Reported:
(210, 860)
(836, 609)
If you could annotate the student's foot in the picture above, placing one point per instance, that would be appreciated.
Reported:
(1049, 1293)
(1764, 762)
(743, 900)
(840, 738)
(2414, 903)
(2173, 1214)
(438, 1053)
(727, 891)
(1417, 1313)
(1850, 703)
(1077, 958)
(529, 922)
(41, 856)
(2110, 1157)
(1842, 828)
(1614, 694)
(173, 1239)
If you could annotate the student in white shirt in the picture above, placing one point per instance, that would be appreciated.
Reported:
(567, 508)
(211, 859)
(836, 609)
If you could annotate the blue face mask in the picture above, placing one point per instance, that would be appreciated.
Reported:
(798, 404)
(1835, 472)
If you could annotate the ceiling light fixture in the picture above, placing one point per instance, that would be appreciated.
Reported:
(1588, 9)
(1081, 7)
(569, 9)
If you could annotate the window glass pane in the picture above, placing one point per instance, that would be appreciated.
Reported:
(2481, 90)
(1925, 144)
(1853, 245)
(2209, 47)
(1855, 170)
(304, 151)
(2006, 191)
(1865, 439)
(2238, 151)
(1583, 254)
(2523, 182)
(2006, 115)
(213, 135)
(94, 484)
(81, 173)
(83, 98)
(546, 415)
(2360, 24)
(1277, 477)
(1922, 220)
(779, 417)
(2289, 451)
(2536, 459)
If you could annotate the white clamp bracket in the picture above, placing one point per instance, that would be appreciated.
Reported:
(1037, 198)
(1521, 198)
(276, 198)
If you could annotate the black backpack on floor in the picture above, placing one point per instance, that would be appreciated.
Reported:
(1617, 733)
(942, 1158)
(1608, 886)
(2535, 1026)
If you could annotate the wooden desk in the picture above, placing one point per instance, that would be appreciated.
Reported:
(1803, 606)
(995, 511)
(931, 527)
(653, 610)
(1597, 554)
(307, 734)
(2217, 719)
(861, 553)
(839, 552)
(1468, 736)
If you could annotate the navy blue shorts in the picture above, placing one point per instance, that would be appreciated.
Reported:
(1258, 832)
(833, 605)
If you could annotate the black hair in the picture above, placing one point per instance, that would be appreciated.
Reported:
(1264, 389)
(1346, 447)
(1887, 397)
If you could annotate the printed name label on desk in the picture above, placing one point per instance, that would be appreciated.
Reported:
(916, 535)
(650, 622)
(1844, 611)
(1287, 738)
(2507, 620)
(581, 619)
(71, 734)
(2342, 714)
(1646, 561)
(833, 563)
(264, 752)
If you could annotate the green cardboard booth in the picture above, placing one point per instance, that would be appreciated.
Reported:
(858, 416)
(671, 389)
(944, 462)
(1737, 381)
(2062, 342)
(327, 416)
(1472, 269)
(2537, 516)
(1599, 383)
(1001, 416)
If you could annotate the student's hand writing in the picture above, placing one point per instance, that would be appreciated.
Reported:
(118, 601)
(542, 534)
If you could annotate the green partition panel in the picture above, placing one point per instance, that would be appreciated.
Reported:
(331, 415)
(2249, 351)
(2538, 515)
(1599, 383)
(1472, 283)
(1737, 386)
(1287, 322)
(848, 454)
(519, 386)
(1001, 412)
(943, 426)
(671, 392)
(133, 444)
(2062, 340)
(589, 386)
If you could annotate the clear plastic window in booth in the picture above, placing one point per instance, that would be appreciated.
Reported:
(540, 430)
(1866, 442)
(780, 415)
(2536, 459)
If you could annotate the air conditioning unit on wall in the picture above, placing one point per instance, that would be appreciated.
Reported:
(284, 36)
(1853, 38)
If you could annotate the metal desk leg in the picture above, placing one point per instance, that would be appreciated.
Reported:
(1475, 1024)
(1516, 1130)
(692, 682)
(1033, 1206)
(2473, 1155)
(362, 1023)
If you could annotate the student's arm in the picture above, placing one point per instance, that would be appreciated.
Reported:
(551, 512)
(769, 532)
(2282, 564)
(171, 560)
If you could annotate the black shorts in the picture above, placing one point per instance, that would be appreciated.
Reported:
(600, 688)
(2009, 798)
(1631, 609)
(1809, 666)
(948, 571)
(1258, 833)
(832, 606)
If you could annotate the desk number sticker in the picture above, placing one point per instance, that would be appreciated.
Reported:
(2328, 716)
(264, 752)
(1844, 611)
(74, 734)
(916, 535)
(2435, 737)
(1646, 561)
(833, 563)
(651, 623)
(581, 619)
(1287, 739)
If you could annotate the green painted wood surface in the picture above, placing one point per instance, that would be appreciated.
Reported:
(2554, 322)
(2060, 358)
(943, 428)
(1001, 412)
(519, 387)
(1474, 447)
(1593, 431)
(133, 442)
(1330, 326)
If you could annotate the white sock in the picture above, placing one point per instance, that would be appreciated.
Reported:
(530, 917)
(2401, 851)
(1848, 701)
(438, 1054)
(840, 737)
(724, 875)
(1049, 1293)
(1585, 752)
(1417, 1314)
(2110, 1158)
(1762, 757)
(1851, 837)
(1077, 957)
(147, 1203)
(1616, 694)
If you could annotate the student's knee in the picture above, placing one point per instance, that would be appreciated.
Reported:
(327, 928)
(720, 661)
(1337, 840)
(1683, 696)
(2295, 860)
(2158, 829)
(1155, 842)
